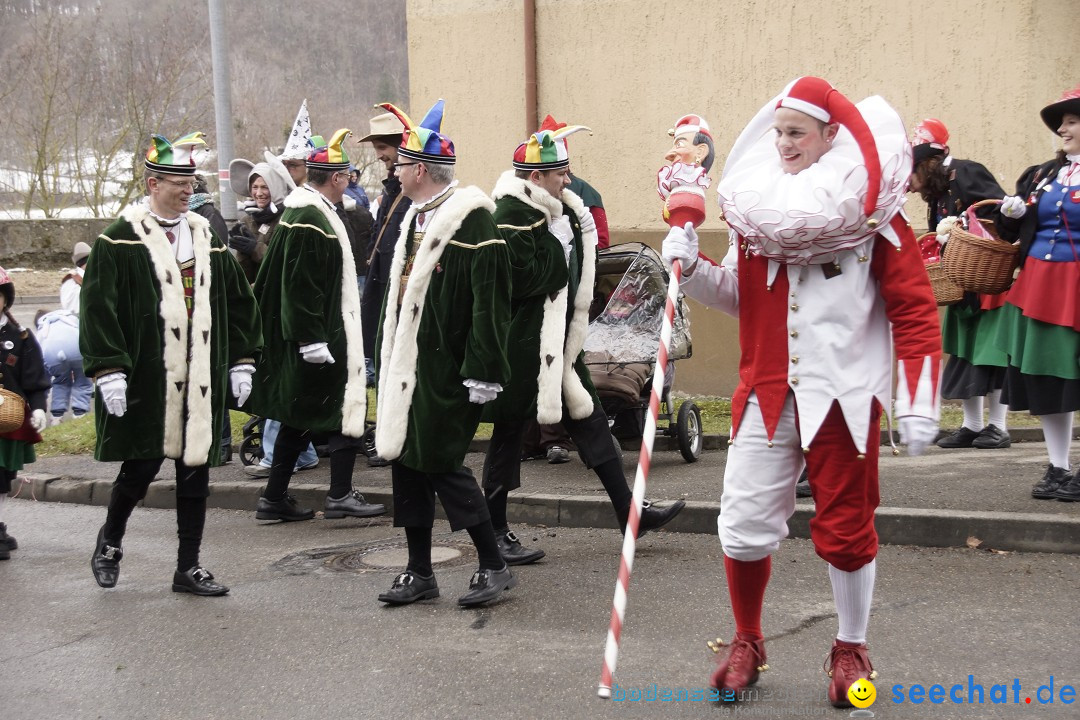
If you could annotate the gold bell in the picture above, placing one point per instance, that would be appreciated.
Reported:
(715, 645)
(872, 223)
(895, 452)
(762, 668)
(873, 674)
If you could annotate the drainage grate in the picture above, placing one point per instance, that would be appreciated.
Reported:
(383, 556)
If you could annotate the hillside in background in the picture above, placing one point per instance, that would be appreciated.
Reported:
(87, 81)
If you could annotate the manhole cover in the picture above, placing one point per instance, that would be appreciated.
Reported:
(385, 556)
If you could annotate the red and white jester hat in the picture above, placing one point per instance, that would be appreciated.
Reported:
(819, 99)
(929, 138)
(688, 124)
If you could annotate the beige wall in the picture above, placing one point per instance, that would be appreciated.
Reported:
(629, 69)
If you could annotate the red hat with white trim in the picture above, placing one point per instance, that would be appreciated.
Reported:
(688, 124)
(817, 98)
(929, 138)
(1053, 113)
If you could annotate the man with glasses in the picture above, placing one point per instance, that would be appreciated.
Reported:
(169, 330)
(314, 357)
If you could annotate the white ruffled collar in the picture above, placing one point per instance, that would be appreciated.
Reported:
(809, 217)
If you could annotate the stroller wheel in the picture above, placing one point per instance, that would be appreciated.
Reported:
(251, 449)
(688, 429)
(367, 442)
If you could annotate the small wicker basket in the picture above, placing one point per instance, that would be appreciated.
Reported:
(977, 263)
(946, 292)
(12, 411)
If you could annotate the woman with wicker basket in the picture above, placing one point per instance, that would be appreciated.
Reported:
(1040, 329)
(976, 366)
(24, 389)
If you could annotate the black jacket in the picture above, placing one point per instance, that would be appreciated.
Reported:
(357, 222)
(22, 369)
(386, 230)
(969, 182)
(1028, 188)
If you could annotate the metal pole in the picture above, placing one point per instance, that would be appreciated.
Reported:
(219, 57)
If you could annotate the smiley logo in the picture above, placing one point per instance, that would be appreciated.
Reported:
(862, 693)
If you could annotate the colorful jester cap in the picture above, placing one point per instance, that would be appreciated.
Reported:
(424, 142)
(929, 138)
(546, 148)
(174, 158)
(329, 156)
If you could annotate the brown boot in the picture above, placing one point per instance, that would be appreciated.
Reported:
(847, 663)
(739, 664)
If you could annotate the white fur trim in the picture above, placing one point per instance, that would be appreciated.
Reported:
(397, 361)
(187, 437)
(579, 401)
(354, 402)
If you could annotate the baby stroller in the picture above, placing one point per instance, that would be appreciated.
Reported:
(251, 450)
(629, 297)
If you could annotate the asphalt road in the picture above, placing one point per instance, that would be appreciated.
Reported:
(301, 635)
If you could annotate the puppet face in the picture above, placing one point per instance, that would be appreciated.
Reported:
(685, 151)
(801, 140)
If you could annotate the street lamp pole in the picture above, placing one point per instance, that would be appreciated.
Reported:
(219, 57)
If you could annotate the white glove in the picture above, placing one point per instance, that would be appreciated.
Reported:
(316, 353)
(37, 420)
(481, 392)
(1013, 207)
(917, 433)
(944, 228)
(587, 222)
(560, 228)
(681, 244)
(113, 389)
(240, 380)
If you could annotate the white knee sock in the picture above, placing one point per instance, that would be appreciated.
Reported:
(853, 592)
(1057, 429)
(997, 410)
(973, 411)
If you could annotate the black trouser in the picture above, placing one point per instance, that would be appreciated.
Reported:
(502, 465)
(415, 491)
(292, 441)
(192, 489)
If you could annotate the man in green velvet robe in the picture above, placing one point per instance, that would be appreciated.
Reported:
(552, 241)
(311, 374)
(168, 329)
(441, 356)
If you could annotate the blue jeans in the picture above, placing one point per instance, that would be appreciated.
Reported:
(269, 437)
(70, 386)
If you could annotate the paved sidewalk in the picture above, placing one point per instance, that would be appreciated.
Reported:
(939, 500)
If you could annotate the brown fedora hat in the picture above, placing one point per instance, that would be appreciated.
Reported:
(383, 126)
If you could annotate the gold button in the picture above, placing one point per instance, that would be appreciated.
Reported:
(860, 456)
(770, 443)
(794, 307)
(794, 333)
(794, 381)
(794, 359)
(806, 451)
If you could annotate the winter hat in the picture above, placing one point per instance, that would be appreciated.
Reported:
(1069, 103)
(546, 148)
(8, 288)
(385, 125)
(243, 172)
(296, 147)
(930, 138)
(329, 156)
(690, 125)
(817, 98)
(174, 158)
(424, 142)
(81, 252)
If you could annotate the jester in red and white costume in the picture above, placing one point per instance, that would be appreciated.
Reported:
(826, 279)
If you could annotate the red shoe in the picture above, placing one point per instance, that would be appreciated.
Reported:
(738, 664)
(847, 663)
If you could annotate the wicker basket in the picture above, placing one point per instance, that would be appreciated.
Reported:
(979, 264)
(946, 292)
(12, 411)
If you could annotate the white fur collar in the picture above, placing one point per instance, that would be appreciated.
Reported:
(529, 193)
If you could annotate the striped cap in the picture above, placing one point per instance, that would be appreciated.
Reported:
(424, 142)
(174, 158)
(546, 148)
(328, 156)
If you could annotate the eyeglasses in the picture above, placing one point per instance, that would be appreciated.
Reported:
(345, 175)
(401, 165)
(190, 185)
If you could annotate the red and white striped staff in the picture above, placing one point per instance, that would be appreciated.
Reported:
(626, 562)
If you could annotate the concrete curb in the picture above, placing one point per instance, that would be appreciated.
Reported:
(1019, 532)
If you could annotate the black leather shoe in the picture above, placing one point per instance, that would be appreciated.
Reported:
(802, 487)
(513, 552)
(352, 505)
(5, 552)
(408, 588)
(6, 539)
(377, 461)
(486, 586)
(1055, 478)
(653, 517)
(286, 509)
(197, 581)
(962, 438)
(105, 562)
(1069, 491)
(992, 438)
